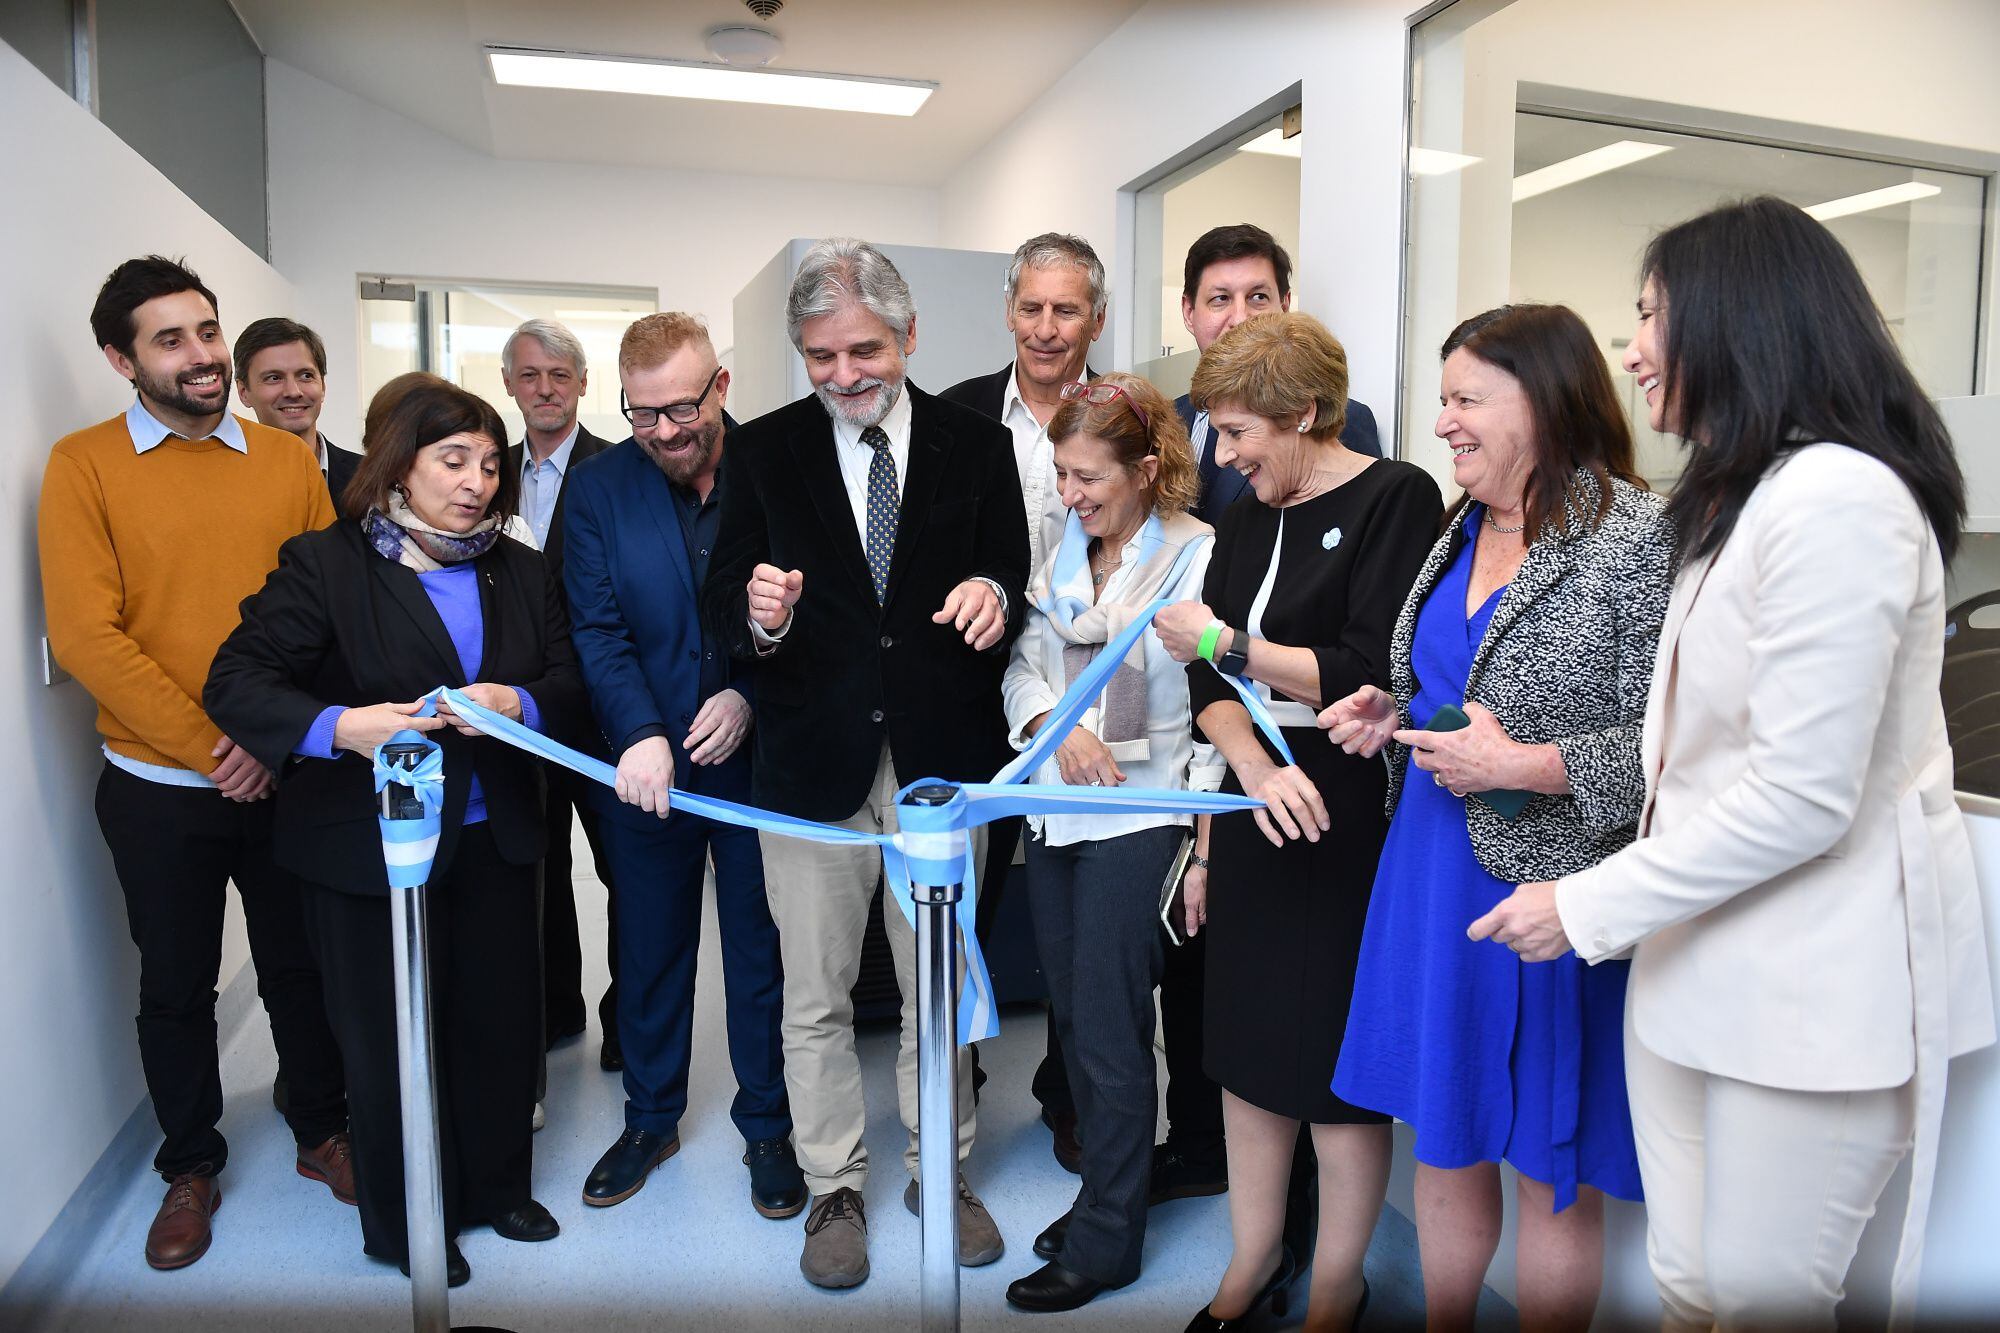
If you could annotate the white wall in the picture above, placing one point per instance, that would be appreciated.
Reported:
(357, 189)
(1168, 78)
(69, 1059)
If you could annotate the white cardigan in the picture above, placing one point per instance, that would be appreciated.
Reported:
(1035, 681)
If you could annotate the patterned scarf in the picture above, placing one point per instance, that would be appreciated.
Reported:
(401, 536)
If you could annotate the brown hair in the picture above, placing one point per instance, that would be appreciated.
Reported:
(1161, 435)
(1277, 365)
(1578, 424)
(653, 338)
(412, 411)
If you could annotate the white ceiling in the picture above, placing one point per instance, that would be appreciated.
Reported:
(423, 59)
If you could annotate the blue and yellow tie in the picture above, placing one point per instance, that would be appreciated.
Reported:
(883, 503)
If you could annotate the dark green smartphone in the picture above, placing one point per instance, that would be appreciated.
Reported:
(1505, 803)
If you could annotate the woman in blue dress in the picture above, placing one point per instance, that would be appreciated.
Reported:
(1535, 619)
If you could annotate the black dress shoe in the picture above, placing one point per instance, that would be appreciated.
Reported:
(1178, 1174)
(1068, 1145)
(530, 1221)
(1277, 1294)
(1049, 1244)
(457, 1272)
(625, 1166)
(1052, 1288)
(777, 1186)
(611, 1056)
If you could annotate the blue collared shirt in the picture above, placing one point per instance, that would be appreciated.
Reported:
(541, 483)
(148, 430)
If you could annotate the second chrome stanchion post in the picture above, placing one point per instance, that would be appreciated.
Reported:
(937, 1048)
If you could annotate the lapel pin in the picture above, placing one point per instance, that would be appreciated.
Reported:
(1331, 539)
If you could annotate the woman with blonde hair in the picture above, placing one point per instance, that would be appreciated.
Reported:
(1127, 475)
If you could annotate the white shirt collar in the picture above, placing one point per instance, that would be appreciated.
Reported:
(148, 430)
(896, 425)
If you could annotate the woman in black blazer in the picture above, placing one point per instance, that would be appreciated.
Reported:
(417, 586)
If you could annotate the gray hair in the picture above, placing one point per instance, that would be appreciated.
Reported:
(1054, 249)
(555, 340)
(841, 269)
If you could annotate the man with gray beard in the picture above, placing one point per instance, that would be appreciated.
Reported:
(639, 530)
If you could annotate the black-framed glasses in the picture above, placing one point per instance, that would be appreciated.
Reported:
(1100, 392)
(681, 414)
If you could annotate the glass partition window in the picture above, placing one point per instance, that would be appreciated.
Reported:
(458, 330)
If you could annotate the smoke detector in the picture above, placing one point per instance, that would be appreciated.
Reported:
(743, 45)
(763, 9)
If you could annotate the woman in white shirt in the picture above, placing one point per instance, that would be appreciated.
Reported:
(1799, 907)
(1127, 475)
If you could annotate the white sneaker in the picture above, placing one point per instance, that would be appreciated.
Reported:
(541, 1117)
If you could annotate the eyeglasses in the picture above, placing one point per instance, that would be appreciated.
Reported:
(1098, 392)
(681, 414)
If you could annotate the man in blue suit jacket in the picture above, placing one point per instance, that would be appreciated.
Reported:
(639, 528)
(1231, 274)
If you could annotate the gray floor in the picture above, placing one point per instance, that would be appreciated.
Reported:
(686, 1252)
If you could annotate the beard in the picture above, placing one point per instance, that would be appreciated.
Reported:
(696, 456)
(173, 393)
(844, 408)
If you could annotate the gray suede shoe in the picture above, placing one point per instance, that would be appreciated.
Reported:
(836, 1252)
(979, 1240)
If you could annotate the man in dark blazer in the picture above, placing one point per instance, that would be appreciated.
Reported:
(543, 369)
(1054, 309)
(1231, 274)
(872, 561)
(641, 532)
(281, 376)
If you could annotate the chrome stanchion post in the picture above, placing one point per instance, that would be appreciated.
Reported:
(423, 1182)
(937, 1076)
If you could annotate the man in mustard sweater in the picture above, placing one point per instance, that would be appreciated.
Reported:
(154, 525)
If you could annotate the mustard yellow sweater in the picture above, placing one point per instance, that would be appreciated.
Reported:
(145, 558)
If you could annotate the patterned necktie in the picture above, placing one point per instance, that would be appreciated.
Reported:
(882, 505)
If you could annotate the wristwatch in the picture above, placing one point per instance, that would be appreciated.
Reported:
(1197, 859)
(1233, 662)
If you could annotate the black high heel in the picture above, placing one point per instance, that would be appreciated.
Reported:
(1276, 1293)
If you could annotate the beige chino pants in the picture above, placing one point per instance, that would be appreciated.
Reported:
(819, 897)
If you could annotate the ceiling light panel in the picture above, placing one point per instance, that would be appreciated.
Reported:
(1585, 165)
(1906, 193)
(519, 68)
(1273, 143)
(1438, 162)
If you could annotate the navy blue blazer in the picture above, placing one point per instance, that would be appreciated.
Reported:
(1222, 487)
(635, 616)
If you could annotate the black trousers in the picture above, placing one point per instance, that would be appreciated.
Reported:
(1194, 1102)
(486, 1036)
(1096, 908)
(562, 947)
(176, 849)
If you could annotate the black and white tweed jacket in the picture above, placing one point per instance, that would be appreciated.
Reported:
(1567, 659)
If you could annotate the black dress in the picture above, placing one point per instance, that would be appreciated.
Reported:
(1284, 923)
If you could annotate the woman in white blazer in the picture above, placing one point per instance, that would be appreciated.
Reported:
(1804, 928)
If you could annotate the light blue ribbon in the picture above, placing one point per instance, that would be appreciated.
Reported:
(410, 845)
(906, 855)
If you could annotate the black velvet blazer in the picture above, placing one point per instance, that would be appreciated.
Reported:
(336, 623)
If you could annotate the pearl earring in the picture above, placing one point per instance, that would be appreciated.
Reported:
(1302, 427)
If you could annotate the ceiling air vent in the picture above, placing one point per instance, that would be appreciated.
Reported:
(763, 9)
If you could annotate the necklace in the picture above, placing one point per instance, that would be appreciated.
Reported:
(1523, 527)
(1098, 575)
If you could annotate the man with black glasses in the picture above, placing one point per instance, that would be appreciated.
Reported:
(640, 528)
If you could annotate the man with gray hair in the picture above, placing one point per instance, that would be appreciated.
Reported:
(872, 561)
(542, 368)
(1055, 302)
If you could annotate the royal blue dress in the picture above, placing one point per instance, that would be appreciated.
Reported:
(1487, 1058)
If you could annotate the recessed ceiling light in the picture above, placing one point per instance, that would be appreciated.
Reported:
(1437, 162)
(1585, 165)
(1273, 143)
(1907, 192)
(521, 68)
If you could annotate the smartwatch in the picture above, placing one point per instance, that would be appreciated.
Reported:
(1234, 662)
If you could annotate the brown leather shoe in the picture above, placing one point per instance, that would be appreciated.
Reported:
(180, 1232)
(331, 1164)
